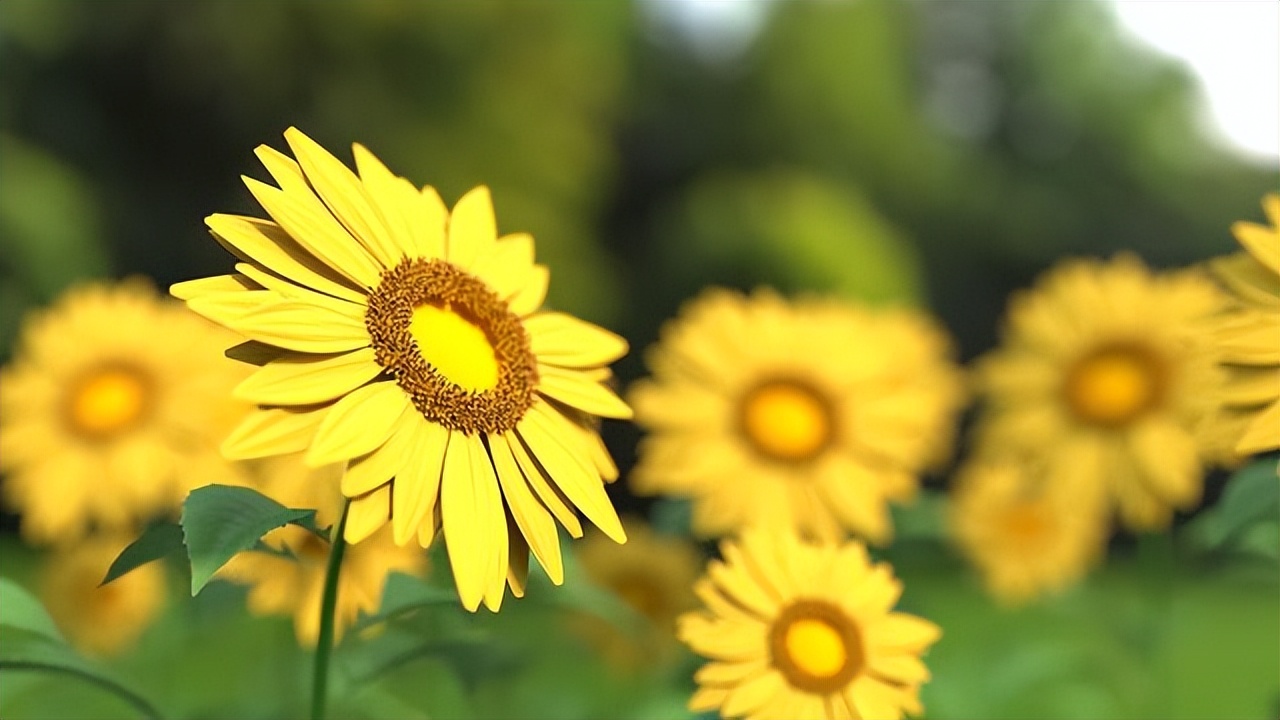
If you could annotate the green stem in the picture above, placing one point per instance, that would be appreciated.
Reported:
(319, 687)
(137, 701)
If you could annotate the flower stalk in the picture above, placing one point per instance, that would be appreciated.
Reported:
(329, 603)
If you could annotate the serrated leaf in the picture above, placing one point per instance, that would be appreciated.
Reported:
(20, 609)
(35, 652)
(219, 521)
(156, 542)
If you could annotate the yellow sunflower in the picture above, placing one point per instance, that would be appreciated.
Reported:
(1108, 378)
(106, 620)
(112, 409)
(803, 632)
(407, 341)
(654, 575)
(1026, 537)
(280, 585)
(808, 415)
(1250, 335)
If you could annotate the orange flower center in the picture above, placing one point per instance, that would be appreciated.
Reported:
(108, 401)
(816, 646)
(786, 421)
(1114, 385)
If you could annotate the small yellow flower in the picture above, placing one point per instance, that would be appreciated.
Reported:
(1250, 335)
(1107, 377)
(807, 415)
(112, 409)
(106, 620)
(283, 586)
(408, 341)
(1027, 538)
(804, 632)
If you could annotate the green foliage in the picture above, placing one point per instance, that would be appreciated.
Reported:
(219, 521)
(20, 611)
(157, 541)
(1249, 504)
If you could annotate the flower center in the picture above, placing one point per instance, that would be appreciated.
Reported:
(816, 647)
(786, 421)
(452, 345)
(1025, 522)
(1114, 385)
(456, 347)
(107, 401)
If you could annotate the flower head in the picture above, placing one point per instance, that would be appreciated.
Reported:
(407, 341)
(807, 415)
(1250, 335)
(1108, 378)
(291, 580)
(97, 619)
(111, 410)
(804, 631)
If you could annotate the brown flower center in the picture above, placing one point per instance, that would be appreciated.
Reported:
(1114, 385)
(453, 346)
(816, 646)
(786, 421)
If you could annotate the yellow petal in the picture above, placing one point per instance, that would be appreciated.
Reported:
(506, 269)
(205, 286)
(276, 431)
(542, 432)
(1262, 242)
(705, 699)
(564, 340)
(308, 379)
(552, 498)
(369, 472)
(267, 244)
(531, 517)
(310, 224)
(1263, 433)
(368, 513)
(296, 325)
(384, 191)
(529, 298)
(472, 228)
(573, 389)
(344, 194)
(429, 218)
(745, 698)
(470, 511)
(358, 423)
(417, 486)
(518, 552)
(430, 528)
(227, 307)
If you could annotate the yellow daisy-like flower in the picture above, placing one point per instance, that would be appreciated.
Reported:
(1027, 538)
(803, 632)
(808, 415)
(1107, 377)
(112, 409)
(281, 585)
(654, 575)
(1250, 336)
(407, 341)
(100, 620)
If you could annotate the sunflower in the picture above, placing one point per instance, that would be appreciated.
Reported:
(290, 581)
(1108, 378)
(1026, 537)
(651, 573)
(1250, 335)
(407, 341)
(112, 408)
(100, 620)
(804, 631)
(808, 415)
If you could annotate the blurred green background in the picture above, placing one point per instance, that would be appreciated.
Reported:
(932, 152)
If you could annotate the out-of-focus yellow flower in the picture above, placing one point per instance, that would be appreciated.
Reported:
(112, 409)
(280, 585)
(805, 632)
(1250, 335)
(654, 575)
(1027, 538)
(1108, 377)
(806, 415)
(407, 340)
(104, 620)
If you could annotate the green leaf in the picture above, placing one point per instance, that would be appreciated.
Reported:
(33, 651)
(402, 595)
(1251, 496)
(21, 610)
(156, 542)
(219, 521)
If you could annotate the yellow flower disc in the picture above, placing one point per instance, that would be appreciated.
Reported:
(815, 647)
(456, 347)
(107, 401)
(786, 421)
(1112, 386)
